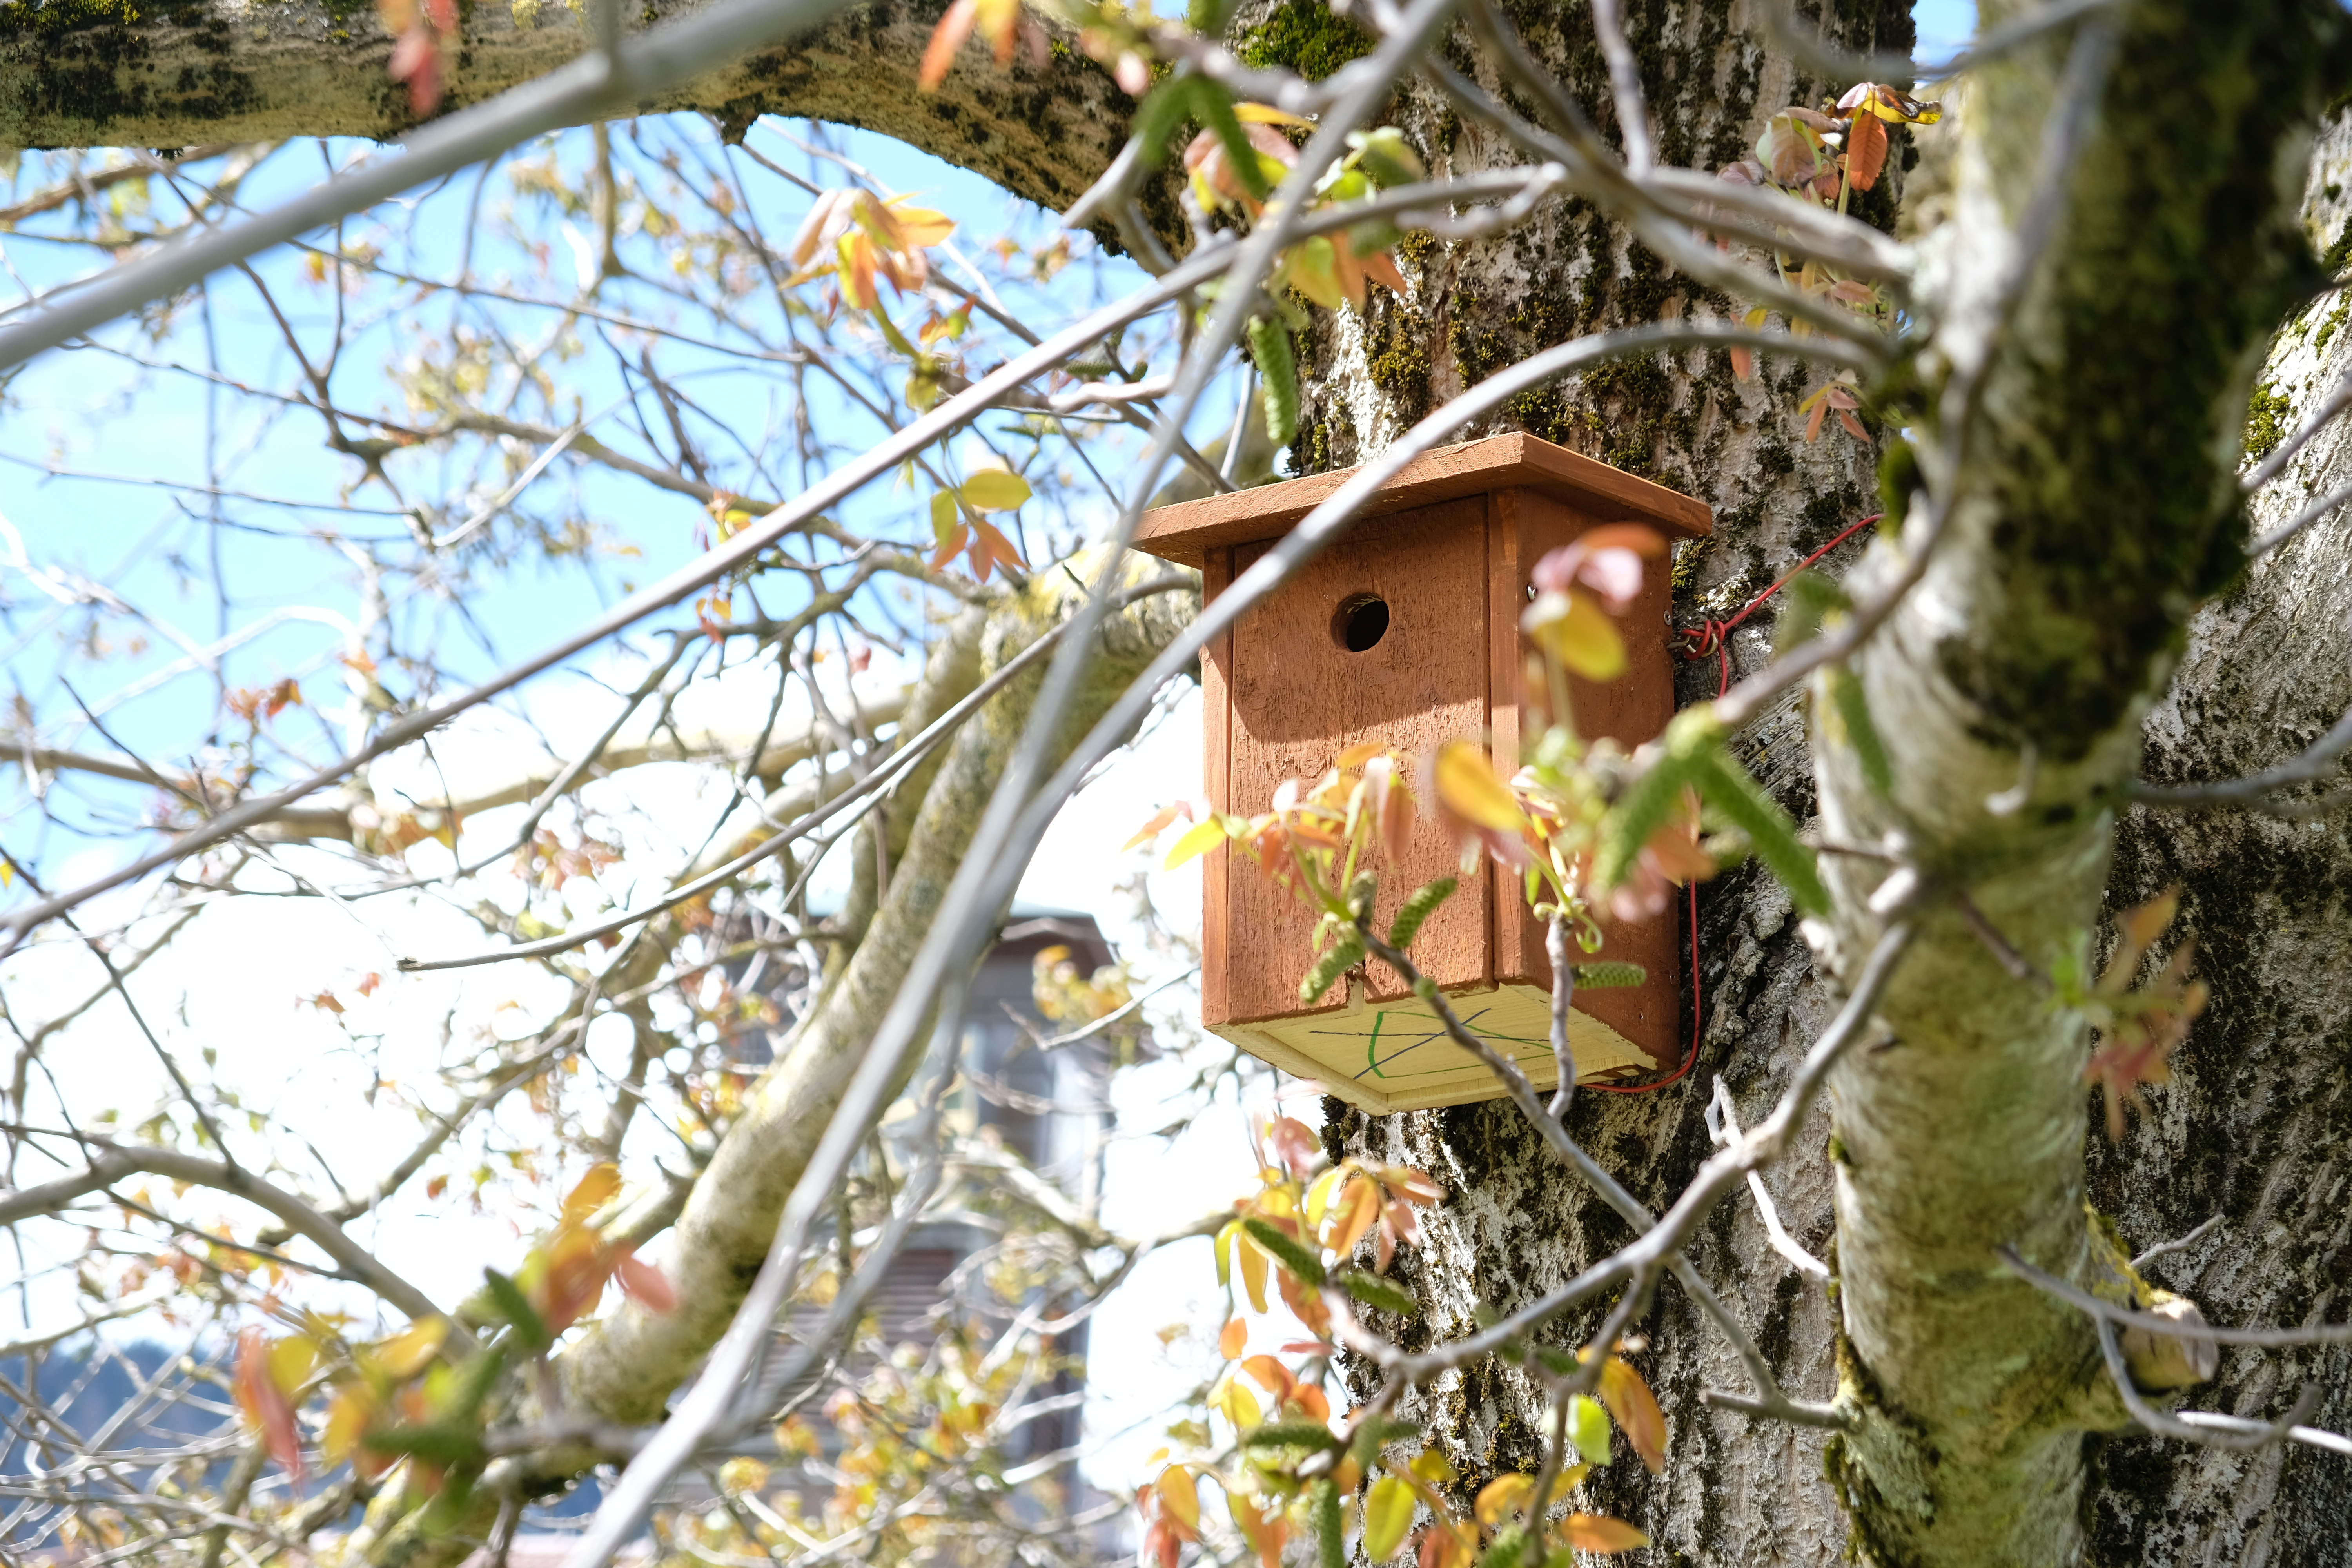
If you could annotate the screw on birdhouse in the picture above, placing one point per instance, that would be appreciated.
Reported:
(1403, 635)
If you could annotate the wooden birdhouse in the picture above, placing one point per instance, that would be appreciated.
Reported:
(1406, 632)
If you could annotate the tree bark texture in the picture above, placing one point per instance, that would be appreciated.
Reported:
(2097, 511)
(180, 73)
(2256, 1126)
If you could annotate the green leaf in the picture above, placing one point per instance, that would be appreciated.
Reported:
(944, 517)
(994, 489)
(1278, 374)
(1588, 1428)
(1286, 1248)
(1727, 787)
(1509, 1549)
(1604, 977)
(1374, 1291)
(510, 1304)
(1417, 909)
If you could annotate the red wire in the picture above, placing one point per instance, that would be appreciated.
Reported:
(1715, 637)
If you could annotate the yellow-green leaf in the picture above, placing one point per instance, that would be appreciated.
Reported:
(1202, 837)
(1574, 629)
(1588, 1428)
(1315, 272)
(994, 489)
(1467, 784)
(1236, 1403)
(1388, 1514)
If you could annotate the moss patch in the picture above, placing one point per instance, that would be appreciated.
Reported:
(1304, 35)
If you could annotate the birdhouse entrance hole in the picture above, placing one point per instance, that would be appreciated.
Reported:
(1405, 633)
(1361, 623)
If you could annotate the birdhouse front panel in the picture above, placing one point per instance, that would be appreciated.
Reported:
(1406, 632)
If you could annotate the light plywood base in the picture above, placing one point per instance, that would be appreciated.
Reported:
(1395, 1056)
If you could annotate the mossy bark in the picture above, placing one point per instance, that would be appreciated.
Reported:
(86, 73)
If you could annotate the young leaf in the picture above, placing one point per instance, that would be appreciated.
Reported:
(994, 489)
(1233, 1340)
(1501, 1498)
(1236, 1403)
(1180, 1496)
(646, 1284)
(1637, 1410)
(1202, 837)
(1588, 1428)
(1866, 152)
(1599, 1533)
(1466, 782)
(1388, 1514)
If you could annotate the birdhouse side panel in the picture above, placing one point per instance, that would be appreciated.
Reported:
(1629, 709)
(1309, 674)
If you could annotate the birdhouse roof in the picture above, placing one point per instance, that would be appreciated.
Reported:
(1186, 531)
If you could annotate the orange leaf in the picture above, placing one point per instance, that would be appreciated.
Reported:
(1599, 1532)
(1182, 1500)
(1234, 1339)
(1358, 1209)
(1160, 820)
(1865, 153)
(591, 1192)
(954, 28)
(1635, 1410)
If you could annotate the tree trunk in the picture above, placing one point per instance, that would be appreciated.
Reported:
(1736, 1490)
(2256, 1127)
(2097, 512)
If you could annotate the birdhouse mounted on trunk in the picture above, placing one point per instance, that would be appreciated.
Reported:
(1406, 632)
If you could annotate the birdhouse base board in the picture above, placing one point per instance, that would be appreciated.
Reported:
(1384, 1056)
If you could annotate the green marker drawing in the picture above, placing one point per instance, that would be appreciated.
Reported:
(1372, 1047)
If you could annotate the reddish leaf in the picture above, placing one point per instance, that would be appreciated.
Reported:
(1866, 151)
(646, 1284)
(954, 28)
(264, 1404)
